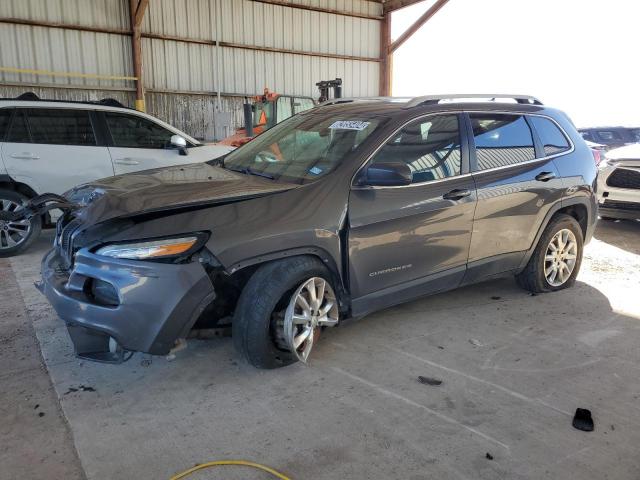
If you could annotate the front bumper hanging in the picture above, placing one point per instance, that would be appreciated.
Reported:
(151, 305)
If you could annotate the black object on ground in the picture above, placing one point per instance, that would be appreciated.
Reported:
(582, 420)
(495, 298)
(429, 381)
(489, 456)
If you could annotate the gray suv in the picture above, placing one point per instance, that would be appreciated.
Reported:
(345, 209)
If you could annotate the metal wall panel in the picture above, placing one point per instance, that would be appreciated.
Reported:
(61, 50)
(174, 69)
(91, 13)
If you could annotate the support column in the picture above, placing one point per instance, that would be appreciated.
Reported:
(137, 10)
(386, 59)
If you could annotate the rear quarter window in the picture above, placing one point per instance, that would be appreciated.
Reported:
(552, 139)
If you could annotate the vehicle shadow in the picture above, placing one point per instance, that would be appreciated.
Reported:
(624, 234)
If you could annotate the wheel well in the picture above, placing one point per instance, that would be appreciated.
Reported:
(580, 213)
(22, 188)
(229, 287)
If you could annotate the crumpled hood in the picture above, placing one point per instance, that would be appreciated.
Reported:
(167, 189)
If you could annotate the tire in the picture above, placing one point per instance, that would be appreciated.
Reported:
(12, 243)
(533, 276)
(267, 292)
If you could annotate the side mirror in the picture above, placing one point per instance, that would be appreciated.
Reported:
(387, 174)
(180, 143)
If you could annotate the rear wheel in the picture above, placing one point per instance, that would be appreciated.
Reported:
(16, 235)
(282, 310)
(556, 260)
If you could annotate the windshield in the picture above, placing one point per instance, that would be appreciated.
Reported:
(302, 148)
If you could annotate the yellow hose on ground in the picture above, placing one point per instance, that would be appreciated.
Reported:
(218, 463)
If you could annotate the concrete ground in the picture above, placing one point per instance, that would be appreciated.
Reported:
(514, 367)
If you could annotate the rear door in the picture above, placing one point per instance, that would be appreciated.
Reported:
(54, 149)
(517, 183)
(138, 143)
(411, 240)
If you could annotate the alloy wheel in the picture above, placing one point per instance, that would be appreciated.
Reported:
(561, 257)
(312, 305)
(12, 233)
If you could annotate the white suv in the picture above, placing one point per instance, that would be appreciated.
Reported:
(52, 146)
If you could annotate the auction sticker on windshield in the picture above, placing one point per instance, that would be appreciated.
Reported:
(349, 125)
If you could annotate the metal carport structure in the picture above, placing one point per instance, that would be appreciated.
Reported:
(191, 62)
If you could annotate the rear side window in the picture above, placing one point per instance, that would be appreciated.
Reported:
(137, 132)
(552, 138)
(635, 133)
(57, 126)
(19, 130)
(5, 116)
(609, 135)
(430, 147)
(501, 140)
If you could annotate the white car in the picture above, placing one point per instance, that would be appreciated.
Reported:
(619, 184)
(52, 146)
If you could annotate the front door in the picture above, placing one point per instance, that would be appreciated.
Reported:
(54, 149)
(139, 143)
(412, 240)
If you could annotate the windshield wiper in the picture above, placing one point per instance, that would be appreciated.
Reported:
(248, 171)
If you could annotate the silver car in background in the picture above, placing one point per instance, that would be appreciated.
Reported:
(619, 184)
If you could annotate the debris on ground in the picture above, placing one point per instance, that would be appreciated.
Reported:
(429, 381)
(81, 388)
(489, 456)
(475, 343)
(41, 414)
(495, 298)
(582, 420)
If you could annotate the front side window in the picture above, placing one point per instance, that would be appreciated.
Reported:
(635, 133)
(501, 140)
(133, 131)
(552, 138)
(302, 148)
(58, 126)
(429, 146)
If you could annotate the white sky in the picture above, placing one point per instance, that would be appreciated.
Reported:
(581, 56)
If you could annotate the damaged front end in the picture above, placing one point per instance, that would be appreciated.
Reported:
(118, 298)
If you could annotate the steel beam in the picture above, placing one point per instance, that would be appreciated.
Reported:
(424, 18)
(393, 5)
(137, 10)
(319, 9)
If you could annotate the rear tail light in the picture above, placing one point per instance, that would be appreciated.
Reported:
(597, 156)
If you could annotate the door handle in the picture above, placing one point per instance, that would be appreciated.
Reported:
(457, 194)
(545, 176)
(126, 161)
(25, 156)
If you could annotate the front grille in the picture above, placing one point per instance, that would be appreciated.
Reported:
(65, 241)
(624, 178)
(629, 206)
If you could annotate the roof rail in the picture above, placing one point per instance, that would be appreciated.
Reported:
(435, 99)
(336, 101)
(107, 102)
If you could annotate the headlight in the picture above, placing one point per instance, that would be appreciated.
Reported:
(168, 247)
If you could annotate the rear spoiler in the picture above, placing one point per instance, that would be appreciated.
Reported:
(39, 206)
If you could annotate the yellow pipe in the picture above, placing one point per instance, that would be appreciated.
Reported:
(218, 463)
(64, 74)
